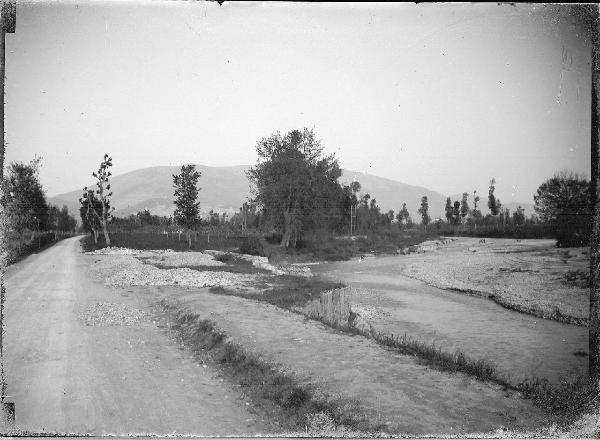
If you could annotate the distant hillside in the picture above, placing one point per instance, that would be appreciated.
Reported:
(224, 189)
(390, 194)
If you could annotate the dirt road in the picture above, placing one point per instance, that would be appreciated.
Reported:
(76, 366)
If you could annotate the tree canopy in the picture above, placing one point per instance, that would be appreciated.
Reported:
(186, 196)
(563, 202)
(24, 198)
(296, 184)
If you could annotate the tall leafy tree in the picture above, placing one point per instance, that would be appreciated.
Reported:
(563, 202)
(448, 210)
(295, 183)
(23, 197)
(476, 213)
(464, 206)
(493, 204)
(424, 211)
(186, 196)
(403, 215)
(456, 213)
(90, 211)
(519, 216)
(61, 220)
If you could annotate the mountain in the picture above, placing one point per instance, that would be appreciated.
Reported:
(390, 194)
(224, 189)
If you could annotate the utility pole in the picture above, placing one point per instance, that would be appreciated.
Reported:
(8, 17)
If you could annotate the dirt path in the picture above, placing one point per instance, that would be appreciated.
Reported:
(520, 345)
(66, 376)
(392, 389)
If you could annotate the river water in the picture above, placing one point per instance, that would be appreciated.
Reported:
(519, 345)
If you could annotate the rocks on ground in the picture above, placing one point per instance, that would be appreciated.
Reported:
(108, 314)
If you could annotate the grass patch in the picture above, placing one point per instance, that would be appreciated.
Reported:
(567, 401)
(436, 358)
(578, 278)
(150, 240)
(288, 292)
(326, 247)
(266, 384)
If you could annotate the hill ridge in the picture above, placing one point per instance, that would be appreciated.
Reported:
(225, 188)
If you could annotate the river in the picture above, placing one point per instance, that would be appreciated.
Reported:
(519, 345)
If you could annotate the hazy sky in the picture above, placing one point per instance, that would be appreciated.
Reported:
(442, 96)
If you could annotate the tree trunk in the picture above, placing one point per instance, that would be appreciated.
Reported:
(594, 326)
(287, 230)
(105, 232)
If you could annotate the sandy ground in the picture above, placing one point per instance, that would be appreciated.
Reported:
(83, 358)
(527, 274)
(391, 388)
(521, 346)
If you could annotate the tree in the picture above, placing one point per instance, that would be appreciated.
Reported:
(186, 196)
(448, 209)
(213, 218)
(403, 215)
(456, 213)
(349, 202)
(296, 184)
(493, 204)
(424, 211)
(563, 202)
(476, 213)
(390, 217)
(519, 216)
(90, 212)
(23, 197)
(464, 206)
(65, 222)
(102, 194)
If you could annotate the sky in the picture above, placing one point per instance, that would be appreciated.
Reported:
(443, 96)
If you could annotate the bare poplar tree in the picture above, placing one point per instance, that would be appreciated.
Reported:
(103, 194)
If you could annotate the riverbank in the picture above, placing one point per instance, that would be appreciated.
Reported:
(528, 276)
(386, 390)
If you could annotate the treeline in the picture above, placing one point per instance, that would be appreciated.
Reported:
(32, 222)
(296, 194)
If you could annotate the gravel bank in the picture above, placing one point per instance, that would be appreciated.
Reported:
(526, 276)
(131, 267)
(107, 313)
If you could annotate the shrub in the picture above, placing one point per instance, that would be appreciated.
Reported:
(252, 246)
(273, 238)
